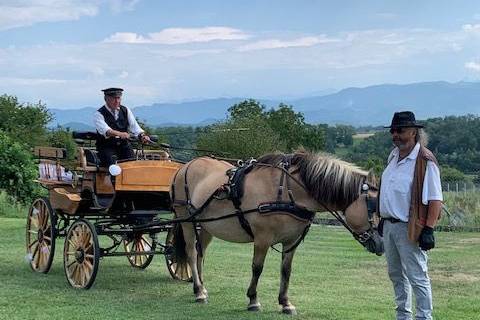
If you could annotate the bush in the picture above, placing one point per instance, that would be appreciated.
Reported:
(17, 170)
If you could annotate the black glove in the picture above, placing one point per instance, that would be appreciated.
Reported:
(426, 240)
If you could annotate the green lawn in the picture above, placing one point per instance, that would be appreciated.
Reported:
(333, 278)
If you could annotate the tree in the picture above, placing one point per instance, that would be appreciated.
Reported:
(17, 170)
(248, 109)
(24, 123)
(450, 174)
(288, 124)
(250, 131)
(62, 138)
(241, 139)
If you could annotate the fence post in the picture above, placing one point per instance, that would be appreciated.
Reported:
(448, 186)
(465, 187)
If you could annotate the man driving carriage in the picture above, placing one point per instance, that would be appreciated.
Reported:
(114, 123)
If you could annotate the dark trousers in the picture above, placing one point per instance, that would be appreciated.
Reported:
(110, 154)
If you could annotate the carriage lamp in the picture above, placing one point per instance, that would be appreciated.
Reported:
(114, 170)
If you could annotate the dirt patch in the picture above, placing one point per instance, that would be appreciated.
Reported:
(454, 277)
(470, 241)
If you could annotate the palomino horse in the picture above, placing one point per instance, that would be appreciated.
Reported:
(281, 194)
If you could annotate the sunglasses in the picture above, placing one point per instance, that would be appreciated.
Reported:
(397, 130)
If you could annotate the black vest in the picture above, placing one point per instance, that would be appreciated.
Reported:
(121, 124)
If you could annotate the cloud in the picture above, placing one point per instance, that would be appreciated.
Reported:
(118, 6)
(126, 37)
(15, 14)
(473, 66)
(123, 75)
(172, 36)
(21, 13)
(471, 27)
(30, 81)
(280, 44)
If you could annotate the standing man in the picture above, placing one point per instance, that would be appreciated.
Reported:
(410, 204)
(114, 123)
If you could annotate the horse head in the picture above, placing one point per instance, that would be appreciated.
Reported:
(360, 217)
(339, 185)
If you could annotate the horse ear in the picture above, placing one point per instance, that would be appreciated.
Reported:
(372, 178)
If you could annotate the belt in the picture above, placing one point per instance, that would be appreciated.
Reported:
(392, 220)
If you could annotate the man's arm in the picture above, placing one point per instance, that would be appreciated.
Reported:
(103, 128)
(434, 209)
(135, 129)
(432, 193)
(133, 125)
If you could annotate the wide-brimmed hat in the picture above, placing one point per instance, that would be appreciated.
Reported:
(113, 92)
(404, 119)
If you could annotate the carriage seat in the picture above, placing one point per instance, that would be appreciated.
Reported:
(91, 156)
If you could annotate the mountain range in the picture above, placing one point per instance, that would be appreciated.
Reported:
(373, 105)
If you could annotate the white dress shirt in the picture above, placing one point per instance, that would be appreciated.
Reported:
(396, 187)
(102, 127)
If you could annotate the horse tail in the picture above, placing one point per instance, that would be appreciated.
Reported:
(179, 244)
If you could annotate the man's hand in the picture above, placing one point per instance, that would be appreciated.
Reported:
(124, 135)
(426, 240)
(145, 139)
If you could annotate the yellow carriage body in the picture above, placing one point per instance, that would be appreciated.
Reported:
(146, 175)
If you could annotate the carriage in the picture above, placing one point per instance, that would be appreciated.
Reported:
(100, 214)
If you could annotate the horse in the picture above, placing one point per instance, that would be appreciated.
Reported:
(268, 201)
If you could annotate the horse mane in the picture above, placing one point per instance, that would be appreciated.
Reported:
(330, 181)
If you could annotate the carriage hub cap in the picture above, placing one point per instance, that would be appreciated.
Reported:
(79, 255)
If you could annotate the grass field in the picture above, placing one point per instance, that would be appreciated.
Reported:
(333, 278)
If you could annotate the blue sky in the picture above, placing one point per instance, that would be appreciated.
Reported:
(63, 52)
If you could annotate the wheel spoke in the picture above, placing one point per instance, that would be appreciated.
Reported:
(71, 263)
(43, 214)
(88, 265)
(46, 249)
(72, 243)
(31, 244)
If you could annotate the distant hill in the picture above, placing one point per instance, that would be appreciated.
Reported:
(372, 105)
(375, 105)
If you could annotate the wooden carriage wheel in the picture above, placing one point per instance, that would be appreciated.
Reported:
(40, 237)
(178, 268)
(81, 254)
(140, 243)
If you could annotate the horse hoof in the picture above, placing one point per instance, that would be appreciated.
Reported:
(290, 310)
(254, 307)
(201, 300)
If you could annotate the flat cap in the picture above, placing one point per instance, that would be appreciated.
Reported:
(113, 92)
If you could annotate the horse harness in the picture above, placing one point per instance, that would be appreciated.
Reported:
(233, 190)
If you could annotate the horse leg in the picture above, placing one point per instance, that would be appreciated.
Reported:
(191, 251)
(259, 254)
(286, 269)
(205, 239)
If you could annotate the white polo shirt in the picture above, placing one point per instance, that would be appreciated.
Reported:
(396, 187)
